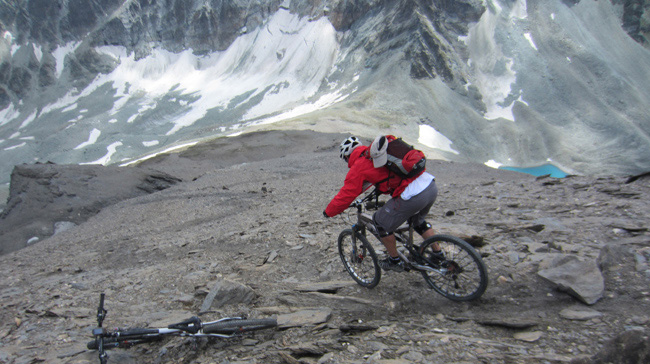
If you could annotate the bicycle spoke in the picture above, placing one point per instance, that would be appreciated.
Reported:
(462, 275)
(359, 259)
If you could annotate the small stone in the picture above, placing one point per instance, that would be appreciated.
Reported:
(272, 255)
(528, 336)
(186, 300)
(249, 342)
(513, 257)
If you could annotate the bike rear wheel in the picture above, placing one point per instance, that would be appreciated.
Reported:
(359, 258)
(231, 327)
(461, 275)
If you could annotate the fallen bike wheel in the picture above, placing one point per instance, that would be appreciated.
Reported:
(231, 327)
(460, 275)
(359, 258)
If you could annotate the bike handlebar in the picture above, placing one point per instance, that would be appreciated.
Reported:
(374, 194)
(101, 312)
(192, 325)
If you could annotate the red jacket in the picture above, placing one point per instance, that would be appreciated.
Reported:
(361, 176)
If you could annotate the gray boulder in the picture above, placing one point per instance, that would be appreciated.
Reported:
(630, 347)
(579, 278)
(226, 292)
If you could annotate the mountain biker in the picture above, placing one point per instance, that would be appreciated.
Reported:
(412, 198)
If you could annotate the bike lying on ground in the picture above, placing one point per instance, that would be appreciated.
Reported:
(228, 327)
(456, 271)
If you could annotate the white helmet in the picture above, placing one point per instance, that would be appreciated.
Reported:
(348, 145)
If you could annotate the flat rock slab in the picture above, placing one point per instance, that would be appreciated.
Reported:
(578, 313)
(305, 317)
(331, 286)
(510, 324)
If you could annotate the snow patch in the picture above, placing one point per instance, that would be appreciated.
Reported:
(322, 102)
(493, 164)
(60, 53)
(38, 52)
(158, 153)
(530, 40)
(8, 114)
(150, 143)
(28, 120)
(69, 108)
(16, 146)
(106, 158)
(94, 135)
(431, 138)
(67, 102)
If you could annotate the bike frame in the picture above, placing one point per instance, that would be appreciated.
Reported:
(404, 235)
(450, 265)
(192, 327)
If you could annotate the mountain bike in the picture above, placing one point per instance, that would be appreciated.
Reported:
(455, 270)
(228, 327)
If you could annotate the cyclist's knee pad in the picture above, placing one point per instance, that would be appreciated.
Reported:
(424, 226)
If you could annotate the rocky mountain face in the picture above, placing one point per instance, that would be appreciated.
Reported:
(568, 263)
(209, 26)
(512, 83)
(79, 192)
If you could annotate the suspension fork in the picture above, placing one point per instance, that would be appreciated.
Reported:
(358, 229)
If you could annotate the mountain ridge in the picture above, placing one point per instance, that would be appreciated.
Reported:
(506, 82)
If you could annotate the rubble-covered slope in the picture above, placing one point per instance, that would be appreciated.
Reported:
(158, 256)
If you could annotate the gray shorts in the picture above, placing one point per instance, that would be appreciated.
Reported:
(397, 211)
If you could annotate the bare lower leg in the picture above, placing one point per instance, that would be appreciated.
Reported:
(426, 235)
(391, 245)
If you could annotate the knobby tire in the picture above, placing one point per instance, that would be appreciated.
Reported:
(112, 342)
(231, 327)
(359, 258)
(466, 278)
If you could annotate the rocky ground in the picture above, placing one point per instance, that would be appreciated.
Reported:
(248, 218)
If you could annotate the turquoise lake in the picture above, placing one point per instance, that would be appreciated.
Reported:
(540, 170)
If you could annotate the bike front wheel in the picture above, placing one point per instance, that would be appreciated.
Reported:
(458, 273)
(112, 343)
(231, 327)
(359, 258)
